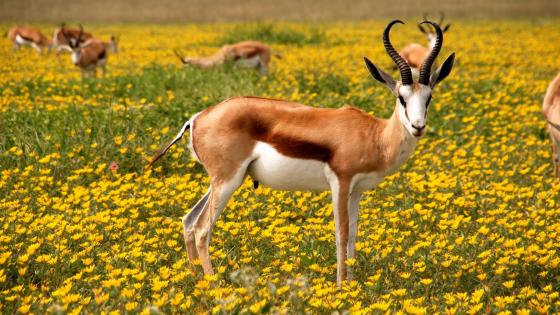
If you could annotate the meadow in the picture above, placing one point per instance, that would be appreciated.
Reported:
(470, 224)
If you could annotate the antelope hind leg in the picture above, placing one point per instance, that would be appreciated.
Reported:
(188, 226)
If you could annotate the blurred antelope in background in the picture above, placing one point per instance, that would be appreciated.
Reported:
(112, 45)
(415, 54)
(28, 36)
(290, 146)
(87, 55)
(64, 36)
(246, 54)
(551, 111)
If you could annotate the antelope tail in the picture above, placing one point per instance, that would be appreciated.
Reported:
(178, 137)
(180, 55)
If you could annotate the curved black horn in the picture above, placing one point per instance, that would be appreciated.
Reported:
(427, 65)
(406, 73)
(80, 35)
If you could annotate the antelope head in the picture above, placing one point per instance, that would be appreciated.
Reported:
(412, 98)
(75, 44)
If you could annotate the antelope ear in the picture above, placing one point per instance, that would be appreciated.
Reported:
(446, 27)
(443, 71)
(381, 76)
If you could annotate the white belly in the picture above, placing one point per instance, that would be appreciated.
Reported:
(252, 62)
(366, 181)
(278, 171)
(22, 41)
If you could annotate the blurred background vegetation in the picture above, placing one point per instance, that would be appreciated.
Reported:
(190, 11)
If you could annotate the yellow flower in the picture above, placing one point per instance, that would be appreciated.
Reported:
(130, 306)
(509, 284)
(426, 281)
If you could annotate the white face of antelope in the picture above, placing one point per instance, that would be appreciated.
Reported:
(76, 55)
(413, 102)
(413, 98)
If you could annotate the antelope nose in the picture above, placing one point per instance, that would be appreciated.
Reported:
(418, 128)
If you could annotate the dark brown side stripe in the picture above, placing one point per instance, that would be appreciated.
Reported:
(291, 147)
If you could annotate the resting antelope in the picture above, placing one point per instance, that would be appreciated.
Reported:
(290, 146)
(415, 54)
(63, 36)
(246, 54)
(27, 36)
(87, 55)
(551, 111)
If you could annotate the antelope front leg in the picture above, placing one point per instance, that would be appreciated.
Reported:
(353, 214)
(36, 47)
(340, 197)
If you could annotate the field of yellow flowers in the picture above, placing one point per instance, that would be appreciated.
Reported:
(471, 224)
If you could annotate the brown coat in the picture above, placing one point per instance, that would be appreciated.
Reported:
(333, 136)
(29, 34)
(415, 54)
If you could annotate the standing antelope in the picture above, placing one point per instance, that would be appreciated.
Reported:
(415, 54)
(87, 55)
(27, 36)
(290, 146)
(246, 54)
(551, 111)
(64, 36)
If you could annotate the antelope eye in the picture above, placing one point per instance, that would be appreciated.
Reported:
(402, 101)
(428, 101)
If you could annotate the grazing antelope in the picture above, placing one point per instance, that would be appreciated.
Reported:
(290, 146)
(27, 36)
(246, 54)
(63, 36)
(551, 111)
(415, 54)
(87, 55)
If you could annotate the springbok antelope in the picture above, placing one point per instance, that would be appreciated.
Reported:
(415, 54)
(246, 54)
(87, 55)
(290, 146)
(551, 111)
(112, 45)
(27, 36)
(63, 36)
